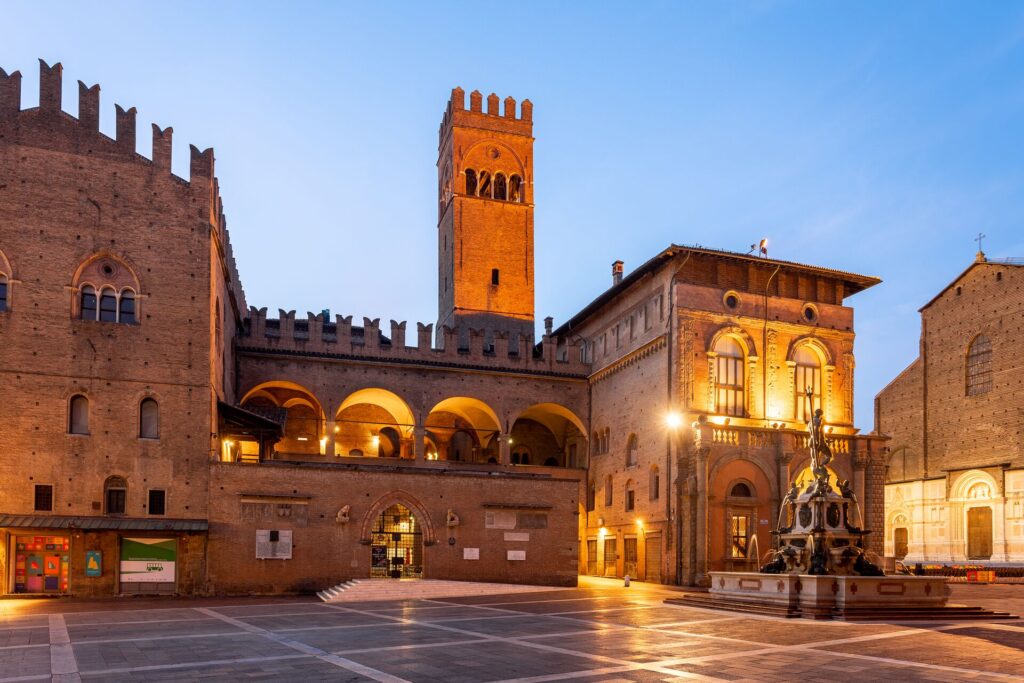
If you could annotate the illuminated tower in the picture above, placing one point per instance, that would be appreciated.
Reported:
(485, 215)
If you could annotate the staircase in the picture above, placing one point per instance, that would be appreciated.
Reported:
(363, 590)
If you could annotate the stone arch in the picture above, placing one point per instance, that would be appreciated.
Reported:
(300, 410)
(476, 157)
(722, 462)
(738, 333)
(5, 266)
(554, 433)
(816, 345)
(387, 400)
(969, 481)
(387, 500)
(464, 415)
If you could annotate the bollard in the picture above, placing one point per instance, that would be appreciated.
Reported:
(626, 581)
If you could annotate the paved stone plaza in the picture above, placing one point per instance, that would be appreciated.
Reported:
(599, 632)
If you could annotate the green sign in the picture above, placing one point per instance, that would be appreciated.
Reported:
(148, 560)
(93, 563)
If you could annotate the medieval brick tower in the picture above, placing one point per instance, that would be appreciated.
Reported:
(485, 216)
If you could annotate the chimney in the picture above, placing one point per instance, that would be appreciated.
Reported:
(549, 324)
(616, 273)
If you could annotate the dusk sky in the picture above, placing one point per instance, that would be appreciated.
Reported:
(879, 138)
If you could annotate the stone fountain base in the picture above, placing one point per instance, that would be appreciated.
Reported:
(829, 596)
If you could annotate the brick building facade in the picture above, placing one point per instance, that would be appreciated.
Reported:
(955, 480)
(161, 435)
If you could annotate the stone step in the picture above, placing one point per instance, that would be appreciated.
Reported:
(392, 589)
(947, 613)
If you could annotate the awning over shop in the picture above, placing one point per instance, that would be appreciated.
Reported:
(101, 523)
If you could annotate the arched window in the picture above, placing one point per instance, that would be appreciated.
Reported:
(3, 292)
(741, 490)
(108, 306)
(78, 415)
(631, 448)
(979, 366)
(630, 496)
(88, 305)
(471, 182)
(728, 377)
(485, 184)
(500, 187)
(807, 371)
(149, 419)
(126, 307)
(115, 496)
(608, 497)
(655, 483)
(515, 189)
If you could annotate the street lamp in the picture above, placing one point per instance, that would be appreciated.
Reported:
(673, 420)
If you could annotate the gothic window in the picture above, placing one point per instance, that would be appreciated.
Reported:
(655, 483)
(485, 184)
(979, 366)
(149, 419)
(608, 497)
(88, 304)
(3, 292)
(115, 496)
(728, 377)
(126, 307)
(108, 306)
(500, 187)
(78, 415)
(515, 189)
(630, 496)
(807, 371)
(470, 182)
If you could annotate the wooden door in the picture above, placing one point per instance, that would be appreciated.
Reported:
(653, 556)
(610, 557)
(899, 542)
(979, 533)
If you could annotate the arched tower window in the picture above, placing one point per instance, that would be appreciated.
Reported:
(485, 184)
(470, 182)
(807, 375)
(115, 496)
(515, 189)
(631, 449)
(630, 496)
(126, 307)
(729, 377)
(78, 415)
(149, 419)
(608, 497)
(979, 366)
(500, 187)
(108, 305)
(655, 483)
(88, 303)
(3, 292)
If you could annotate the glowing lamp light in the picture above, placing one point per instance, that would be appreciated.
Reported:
(376, 440)
(673, 420)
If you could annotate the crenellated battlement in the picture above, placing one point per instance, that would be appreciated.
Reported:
(50, 127)
(87, 123)
(475, 348)
(504, 120)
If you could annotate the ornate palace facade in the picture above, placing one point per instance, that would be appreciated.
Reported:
(161, 435)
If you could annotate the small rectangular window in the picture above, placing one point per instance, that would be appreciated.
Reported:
(44, 498)
(115, 501)
(494, 276)
(157, 502)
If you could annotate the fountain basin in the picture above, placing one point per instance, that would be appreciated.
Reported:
(829, 596)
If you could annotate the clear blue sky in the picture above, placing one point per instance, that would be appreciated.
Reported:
(873, 137)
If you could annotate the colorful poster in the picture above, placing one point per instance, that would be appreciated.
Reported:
(93, 564)
(148, 560)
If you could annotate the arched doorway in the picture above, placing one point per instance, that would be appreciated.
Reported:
(396, 545)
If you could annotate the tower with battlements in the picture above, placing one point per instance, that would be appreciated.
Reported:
(485, 215)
